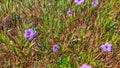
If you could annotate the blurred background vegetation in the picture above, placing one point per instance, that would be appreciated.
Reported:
(79, 36)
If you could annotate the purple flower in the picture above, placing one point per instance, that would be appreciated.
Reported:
(29, 33)
(106, 47)
(69, 12)
(5, 19)
(94, 3)
(35, 6)
(85, 66)
(55, 47)
(78, 2)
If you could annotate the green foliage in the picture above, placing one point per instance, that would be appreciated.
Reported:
(79, 36)
(63, 62)
(2, 37)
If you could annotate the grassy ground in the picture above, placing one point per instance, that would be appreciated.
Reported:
(79, 36)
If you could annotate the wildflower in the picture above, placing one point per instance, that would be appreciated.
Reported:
(69, 12)
(94, 3)
(4, 19)
(29, 33)
(55, 47)
(106, 47)
(35, 6)
(85, 66)
(78, 2)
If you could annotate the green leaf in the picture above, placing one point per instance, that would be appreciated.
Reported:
(2, 37)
